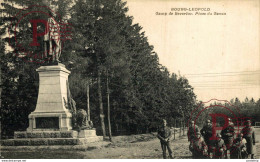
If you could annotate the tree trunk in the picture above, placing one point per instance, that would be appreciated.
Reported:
(108, 113)
(88, 108)
(174, 127)
(180, 127)
(183, 126)
(101, 105)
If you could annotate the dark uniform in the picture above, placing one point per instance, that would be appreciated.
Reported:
(249, 135)
(238, 148)
(228, 136)
(206, 132)
(220, 148)
(165, 134)
(193, 128)
(198, 147)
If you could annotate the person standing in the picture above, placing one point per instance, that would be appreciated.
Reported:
(165, 134)
(220, 148)
(206, 132)
(199, 147)
(238, 147)
(191, 133)
(249, 135)
(228, 136)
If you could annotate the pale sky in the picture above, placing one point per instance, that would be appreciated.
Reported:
(218, 54)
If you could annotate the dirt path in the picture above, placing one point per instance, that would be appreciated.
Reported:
(145, 146)
(140, 150)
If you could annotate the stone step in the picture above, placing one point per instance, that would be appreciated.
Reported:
(55, 134)
(50, 141)
(45, 134)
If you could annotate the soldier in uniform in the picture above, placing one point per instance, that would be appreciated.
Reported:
(220, 148)
(238, 148)
(191, 134)
(165, 134)
(249, 135)
(228, 135)
(198, 147)
(206, 132)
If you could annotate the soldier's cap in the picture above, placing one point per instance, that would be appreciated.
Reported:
(192, 121)
(219, 135)
(208, 121)
(229, 119)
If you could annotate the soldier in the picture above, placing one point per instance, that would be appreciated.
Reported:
(238, 148)
(228, 135)
(191, 134)
(198, 147)
(165, 134)
(206, 132)
(249, 135)
(220, 148)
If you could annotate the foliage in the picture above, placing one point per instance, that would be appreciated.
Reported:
(105, 44)
(238, 111)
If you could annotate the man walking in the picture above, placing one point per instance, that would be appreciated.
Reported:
(165, 134)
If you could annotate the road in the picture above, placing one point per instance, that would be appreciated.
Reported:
(145, 146)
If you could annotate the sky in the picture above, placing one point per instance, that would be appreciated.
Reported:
(218, 54)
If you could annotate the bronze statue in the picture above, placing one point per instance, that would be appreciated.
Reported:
(82, 120)
(52, 42)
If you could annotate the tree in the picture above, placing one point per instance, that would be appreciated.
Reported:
(19, 78)
(114, 55)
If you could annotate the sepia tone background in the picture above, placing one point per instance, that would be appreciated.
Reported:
(218, 54)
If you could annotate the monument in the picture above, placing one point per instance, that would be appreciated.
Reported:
(51, 123)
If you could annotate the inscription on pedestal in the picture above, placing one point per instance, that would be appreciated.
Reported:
(47, 122)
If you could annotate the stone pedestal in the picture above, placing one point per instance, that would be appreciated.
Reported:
(50, 112)
(87, 133)
(50, 122)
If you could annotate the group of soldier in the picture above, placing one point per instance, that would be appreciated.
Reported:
(226, 144)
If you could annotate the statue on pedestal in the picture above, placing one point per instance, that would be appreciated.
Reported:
(52, 41)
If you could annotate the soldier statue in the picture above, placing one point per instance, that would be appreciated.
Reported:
(52, 41)
(249, 135)
(165, 134)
